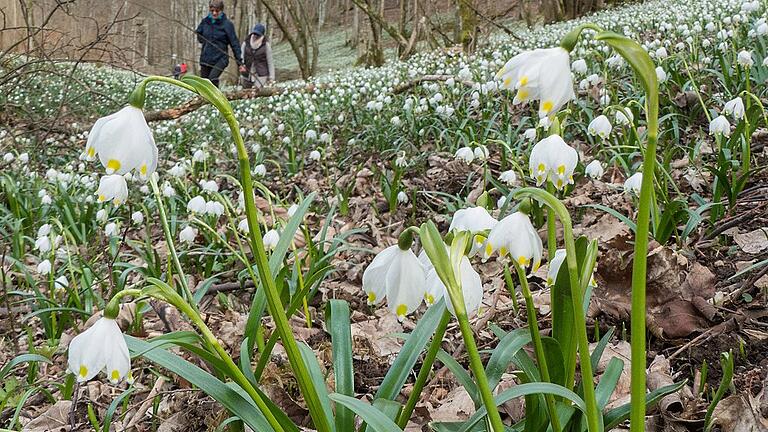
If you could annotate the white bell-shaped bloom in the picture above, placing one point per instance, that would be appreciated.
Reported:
(744, 58)
(465, 154)
(243, 226)
(481, 152)
(43, 244)
(553, 159)
(554, 265)
(44, 230)
(112, 187)
(314, 155)
(196, 205)
(100, 348)
(541, 74)
(594, 170)
(260, 170)
(471, 288)
(102, 215)
(633, 184)
(735, 107)
(214, 208)
(397, 275)
(473, 219)
(661, 75)
(199, 156)
(530, 134)
(516, 236)
(720, 125)
(402, 197)
(509, 177)
(44, 267)
(624, 116)
(270, 239)
(188, 234)
(579, 66)
(137, 217)
(112, 229)
(600, 126)
(123, 143)
(209, 185)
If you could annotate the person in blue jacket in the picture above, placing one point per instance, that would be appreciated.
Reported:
(216, 33)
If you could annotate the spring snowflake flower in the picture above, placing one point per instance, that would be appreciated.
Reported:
(541, 74)
(44, 267)
(600, 126)
(594, 170)
(471, 288)
(100, 348)
(102, 215)
(735, 107)
(199, 156)
(509, 177)
(196, 205)
(402, 197)
(624, 116)
(765, 62)
(270, 239)
(214, 208)
(260, 170)
(8, 157)
(123, 143)
(530, 134)
(481, 153)
(314, 155)
(744, 59)
(292, 210)
(554, 160)
(720, 126)
(401, 161)
(516, 236)
(137, 217)
(398, 276)
(634, 183)
(111, 229)
(112, 187)
(473, 219)
(188, 234)
(579, 66)
(554, 268)
(44, 230)
(465, 154)
(168, 190)
(43, 244)
(661, 75)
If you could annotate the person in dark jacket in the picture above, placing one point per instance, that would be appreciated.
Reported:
(257, 54)
(216, 33)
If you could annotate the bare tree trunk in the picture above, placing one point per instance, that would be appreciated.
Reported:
(468, 21)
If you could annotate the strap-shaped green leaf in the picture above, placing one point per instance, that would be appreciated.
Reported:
(374, 418)
(19, 359)
(608, 381)
(461, 375)
(503, 354)
(338, 325)
(313, 367)
(617, 415)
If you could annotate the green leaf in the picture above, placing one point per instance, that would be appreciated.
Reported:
(214, 388)
(395, 379)
(555, 362)
(19, 359)
(608, 382)
(600, 348)
(617, 415)
(374, 418)
(523, 390)
(313, 367)
(461, 375)
(338, 325)
(113, 407)
(635, 55)
(389, 408)
(627, 221)
(434, 246)
(503, 354)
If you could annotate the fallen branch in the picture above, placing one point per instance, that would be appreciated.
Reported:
(198, 102)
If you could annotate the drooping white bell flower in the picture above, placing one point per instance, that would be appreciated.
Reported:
(509, 177)
(243, 226)
(214, 208)
(209, 186)
(137, 217)
(471, 288)
(270, 239)
(472, 219)
(594, 170)
(188, 234)
(398, 276)
(112, 187)
(516, 236)
(44, 267)
(721, 126)
(102, 215)
(292, 210)
(600, 126)
(661, 75)
(553, 267)
(633, 184)
(44, 230)
(735, 107)
(402, 197)
(123, 143)
(199, 156)
(744, 59)
(101, 347)
(530, 134)
(196, 205)
(624, 116)
(481, 153)
(579, 66)
(43, 244)
(260, 170)
(554, 160)
(465, 154)
(541, 74)
(112, 229)
(314, 155)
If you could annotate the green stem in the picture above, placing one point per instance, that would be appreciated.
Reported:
(169, 241)
(283, 328)
(538, 345)
(426, 368)
(577, 301)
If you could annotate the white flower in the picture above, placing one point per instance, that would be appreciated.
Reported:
(509, 177)
(481, 152)
(310, 135)
(471, 288)
(270, 239)
(735, 107)
(8, 157)
(199, 156)
(551, 158)
(44, 230)
(123, 142)
(137, 217)
(501, 201)
(292, 210)
(102, 215)
(554, 266)
(465, 154)
(196, 205)
(46, 200)
(314, 155)
(594, 170)
(579, 66)
(600, 126)
(515, 235)
(541, 74)
(661, 75)
(398, 276)
(100, 348)
(61, 283)
(209, 185)
(44, 267)
(661, 53)
(188, 234)
(744, 58)
(720, 125)
(214, 208)
(43, 244)
(530, 134)
(473, 219)
(24, 158)
(111, 230)
(177, 170)
(624, 116)
(633, 184)
(112, 187)
(260, 170)
(402, 197)
(243, 225)
(765, 62)
(401, 161)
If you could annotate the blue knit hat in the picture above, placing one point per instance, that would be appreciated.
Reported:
(259, 29)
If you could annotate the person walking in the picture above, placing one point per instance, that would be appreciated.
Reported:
(216, 33)
(257, 55)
